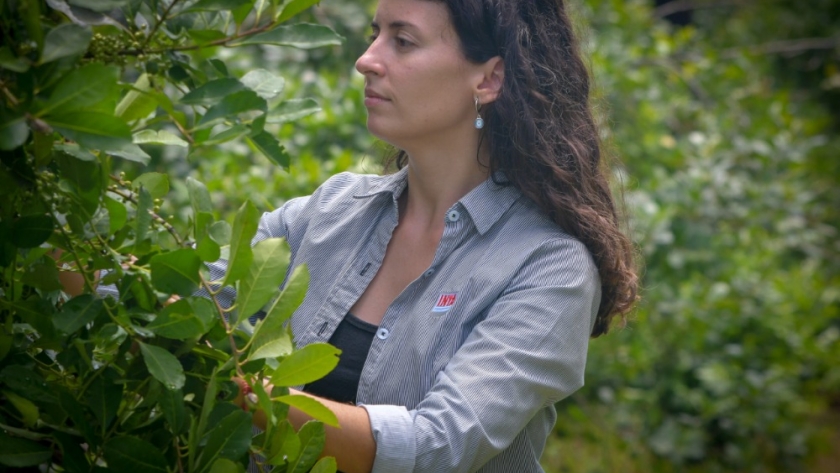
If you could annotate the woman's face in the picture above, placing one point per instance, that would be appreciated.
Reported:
(419, 85)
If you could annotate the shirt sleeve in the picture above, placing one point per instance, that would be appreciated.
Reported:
(528, 353)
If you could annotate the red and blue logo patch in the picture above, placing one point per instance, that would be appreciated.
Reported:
(445, 302)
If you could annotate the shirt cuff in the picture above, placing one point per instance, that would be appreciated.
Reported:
(393, 431)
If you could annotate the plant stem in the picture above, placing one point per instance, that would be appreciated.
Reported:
(9, 94)
(157, 24)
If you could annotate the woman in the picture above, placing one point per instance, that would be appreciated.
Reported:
(464, 287)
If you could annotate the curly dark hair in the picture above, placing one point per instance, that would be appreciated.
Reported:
(541, 134)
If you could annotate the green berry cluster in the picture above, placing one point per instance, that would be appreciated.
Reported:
(109, 49)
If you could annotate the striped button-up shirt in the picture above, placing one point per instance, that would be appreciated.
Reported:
(469, 359)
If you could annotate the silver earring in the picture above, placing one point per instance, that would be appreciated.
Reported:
(479, 122)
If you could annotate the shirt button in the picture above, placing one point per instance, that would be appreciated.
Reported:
(382, 333)
(429, 272)
(453, 216)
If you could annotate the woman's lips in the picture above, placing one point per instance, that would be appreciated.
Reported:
(372, 98)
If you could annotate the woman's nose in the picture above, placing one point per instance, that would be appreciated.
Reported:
(368, 62)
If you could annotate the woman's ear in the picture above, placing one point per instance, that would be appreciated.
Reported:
(493, 77)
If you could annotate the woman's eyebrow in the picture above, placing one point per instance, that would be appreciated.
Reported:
(394, 24)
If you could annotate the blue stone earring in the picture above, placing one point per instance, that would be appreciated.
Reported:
(479, 122)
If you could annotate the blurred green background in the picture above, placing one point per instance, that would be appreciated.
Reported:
(725, 117)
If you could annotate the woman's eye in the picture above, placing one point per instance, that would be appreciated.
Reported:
(403, 43)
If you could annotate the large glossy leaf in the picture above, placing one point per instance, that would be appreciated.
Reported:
(284, 444)
(312, 439)
(155, 182)
(130, 152)
(270, 148)
(103, 397)
(172, 404)
(199, 197)
(231, 106)
(308, 364)
(117, 214)
(65, 40)
(310, 406)
(135, 455)
(223, 465)
(244, 228)
(82, 89)
(143, 219)
(163, 366)
(18, 452)
(28, 410)
(301, 35)
(78, 312)
(266, 273)
(137, 102)
(294, 7)
(13, 131)
(325, 465)
(159, 137)
(179, 321)
(212, 92)
(218, 5)
(263, 83)
(95, 130)
(99, 5)
(230, 438)
(270, 340)
(176, 272)
(293, 109)
(30, 231)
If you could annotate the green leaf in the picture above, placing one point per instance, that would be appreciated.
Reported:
(12, 63)
(27, 409)
(30, 231)
(76, 151)
(83, 88)
(137, 102)
(205, 36)
(78, 312)
(178, 321)
(130, 152)
(264, 83)
(308, 364)
(160, 137)
(13, 131)
(223, 465)
(229, 439)
(172, 404)
(212, 92)
(220, 232)
(270, 340)
(134, 454)
(232, 105)
(265, 275)
(294, 109)
(95, 130)
(268, 146)
(18, 452)
(117, 214)
(103, 396)
(301, 35)
(156, 183)
(294, 7)
(311, 407)
(176, 272)
(65, 40)
(244, 228)
(143, 219)
(43, 276)
(218, 5)
(284, 444)
(325, 465)
(199, 197)
(99, 5)
(312, 439)
(163, 366)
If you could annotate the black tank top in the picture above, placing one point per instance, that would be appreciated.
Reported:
(353, 337)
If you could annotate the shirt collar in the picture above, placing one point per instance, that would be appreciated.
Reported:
(486, 203)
